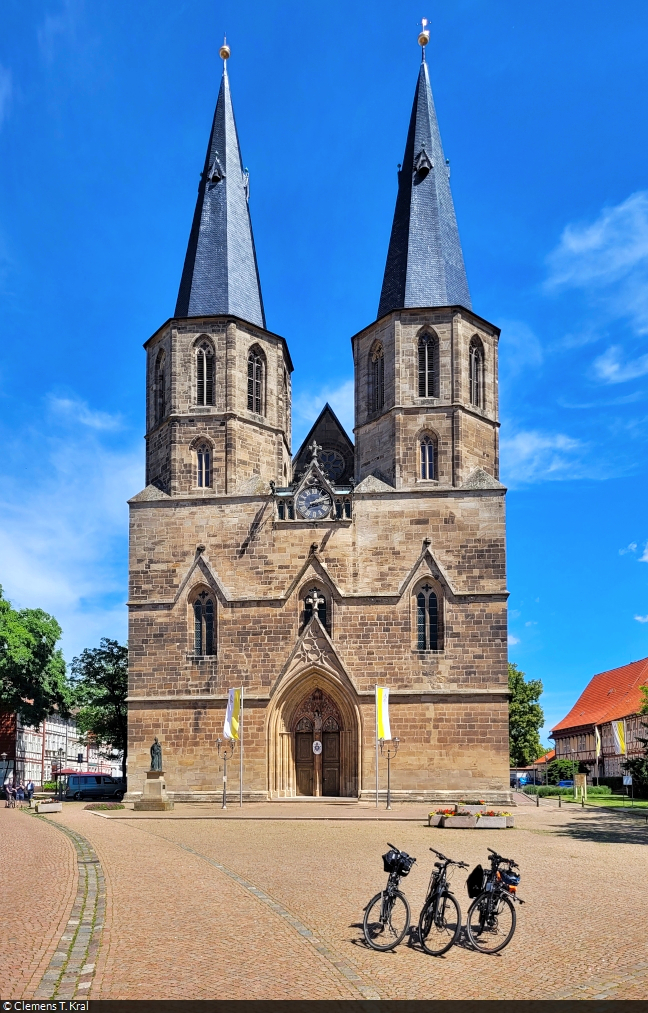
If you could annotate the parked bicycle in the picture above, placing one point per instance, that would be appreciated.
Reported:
(440, 919)
(491, 916)
(387, 915)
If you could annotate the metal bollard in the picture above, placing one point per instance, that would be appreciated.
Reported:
(560, 801)
(537, 801)
(582, 800)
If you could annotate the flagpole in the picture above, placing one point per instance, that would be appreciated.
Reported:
(241, 753)
(376, 695)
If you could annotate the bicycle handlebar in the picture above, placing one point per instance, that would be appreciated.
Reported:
(450, 861)
(500, 858)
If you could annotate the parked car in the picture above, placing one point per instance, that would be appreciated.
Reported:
(80, 786)
(565, 784)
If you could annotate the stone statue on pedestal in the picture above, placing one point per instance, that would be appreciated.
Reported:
(156, 755)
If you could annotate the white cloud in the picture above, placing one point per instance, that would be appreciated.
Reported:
(533, 456)
(308, 404)
(629, 548)
(6, 90)
(77, 411)
(512, 641)
(63, 532)
(608, 259)
(642, 619)
(610, 367)
(644, 557)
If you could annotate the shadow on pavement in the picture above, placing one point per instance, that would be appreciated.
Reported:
(606, 828)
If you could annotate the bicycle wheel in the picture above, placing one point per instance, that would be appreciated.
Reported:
(491, 922)
(437, 933)
(386, 920)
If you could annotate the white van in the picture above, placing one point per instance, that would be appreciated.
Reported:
(81, 786)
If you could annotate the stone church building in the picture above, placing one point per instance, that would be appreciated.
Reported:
(310, 579)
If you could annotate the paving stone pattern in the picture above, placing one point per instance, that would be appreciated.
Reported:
(72, 965)
(272, 909)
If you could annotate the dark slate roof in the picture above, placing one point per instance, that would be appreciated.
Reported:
(220, 273)
(425, 265)
(329, 433)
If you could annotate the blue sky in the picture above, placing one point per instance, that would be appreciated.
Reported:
(105, 109)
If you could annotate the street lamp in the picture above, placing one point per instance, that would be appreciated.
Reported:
(391, 751)
(228, 747)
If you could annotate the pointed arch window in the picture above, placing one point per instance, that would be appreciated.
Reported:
(428, 366)
(427, 619)
(205, 374)
(203, 466)
(255, 382)
(377, 379)
(159, 389)
(204, 624)
(428, 457)
(476, 373)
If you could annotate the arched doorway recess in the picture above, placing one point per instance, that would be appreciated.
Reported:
(314, 708)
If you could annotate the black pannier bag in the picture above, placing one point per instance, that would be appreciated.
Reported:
(405, 864)
(475, 882)
(389, 860)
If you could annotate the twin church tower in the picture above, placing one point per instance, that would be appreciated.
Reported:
(309, 579)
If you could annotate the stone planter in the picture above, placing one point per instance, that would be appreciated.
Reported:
(49, 807)
(510, 821)
(459, 822)
(491, 823)
(434, 820)
(471, 810)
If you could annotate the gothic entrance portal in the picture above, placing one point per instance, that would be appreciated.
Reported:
(317, 727)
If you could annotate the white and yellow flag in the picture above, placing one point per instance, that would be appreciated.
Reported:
(233, 714)
(383, 730)
(597, 740)
(618, 731)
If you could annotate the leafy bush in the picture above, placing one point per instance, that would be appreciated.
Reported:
(544, 790)
(49, 786)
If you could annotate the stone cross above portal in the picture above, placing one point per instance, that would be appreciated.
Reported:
(314, 448)
(314, 600)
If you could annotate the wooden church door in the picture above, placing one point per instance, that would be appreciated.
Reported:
(331, 758)
(304, 759)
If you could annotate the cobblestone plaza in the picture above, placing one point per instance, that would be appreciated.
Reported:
(196, 904)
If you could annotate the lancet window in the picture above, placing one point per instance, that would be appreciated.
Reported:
(427, 619)
(428, 366)
(428, 457)
(204, 624)
(205, 374)
(255, 381)
(476, 373)
(377, 379)
(204, 466)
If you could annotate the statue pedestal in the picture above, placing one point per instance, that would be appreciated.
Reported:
(154, 797)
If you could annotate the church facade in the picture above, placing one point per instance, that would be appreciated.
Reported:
(310, 580)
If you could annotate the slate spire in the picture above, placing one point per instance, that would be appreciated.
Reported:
(220, 274)
(425, 265)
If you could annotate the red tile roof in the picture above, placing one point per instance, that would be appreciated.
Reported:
(545, 758)
(610, 695)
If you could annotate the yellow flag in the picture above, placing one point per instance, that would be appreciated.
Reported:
(382, 712)
(233, 714)
(618, 731)
(597, 739)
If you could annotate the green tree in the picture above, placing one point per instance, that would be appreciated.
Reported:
(100, 687)
(32, 670)
(526, 718)
(564, 770)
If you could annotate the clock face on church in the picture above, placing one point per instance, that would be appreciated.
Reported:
(314, 503)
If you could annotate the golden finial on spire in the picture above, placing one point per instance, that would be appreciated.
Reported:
(424, 36)
(224, 51)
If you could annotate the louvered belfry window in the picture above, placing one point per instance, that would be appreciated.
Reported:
(205, 374)
(476, 373)
(427, 619)
(203, 461)
(377, 394)
(428, 368)
(204, 639)
(255, 382)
